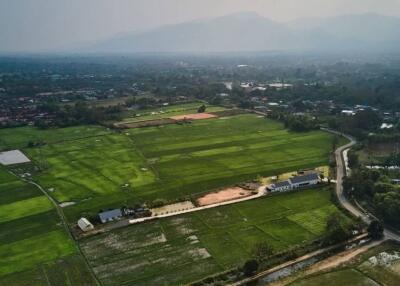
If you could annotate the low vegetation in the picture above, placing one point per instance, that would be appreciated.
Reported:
(34, 246)
(209, 241)
(378, 266)
(98, 169)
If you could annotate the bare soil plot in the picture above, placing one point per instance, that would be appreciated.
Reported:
(194, 116)
(13, 157)
(223, 196)
(172, 208)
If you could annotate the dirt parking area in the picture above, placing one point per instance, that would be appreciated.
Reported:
(223, 196)
(194, 116)
(172, 208)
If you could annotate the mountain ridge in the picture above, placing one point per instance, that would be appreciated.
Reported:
(251, 32)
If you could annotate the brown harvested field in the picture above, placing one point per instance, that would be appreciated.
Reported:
(193, 116)
(223, 196)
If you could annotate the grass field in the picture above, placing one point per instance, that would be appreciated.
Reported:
(168, 111)
(362, 270)
(16, 138)
(102, 169)
(32, 237)
(205, 242)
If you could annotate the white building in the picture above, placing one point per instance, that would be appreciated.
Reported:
(295, 183)
(348, 112)
(84, 224)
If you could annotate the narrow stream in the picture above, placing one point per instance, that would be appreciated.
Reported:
(287, 271)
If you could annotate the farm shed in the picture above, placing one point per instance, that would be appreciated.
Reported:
(304, 180)
(280, 186)
(84, 224)
(110, 215)
(295, 182)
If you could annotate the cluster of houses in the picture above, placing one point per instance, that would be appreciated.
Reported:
(308, 179)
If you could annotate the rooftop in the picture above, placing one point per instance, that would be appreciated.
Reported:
(281, 184)
(13, 157)
(304, 178)
(110, 214)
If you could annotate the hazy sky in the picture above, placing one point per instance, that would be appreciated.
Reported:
(34, 25)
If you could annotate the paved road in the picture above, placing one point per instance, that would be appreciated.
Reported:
(342, 170)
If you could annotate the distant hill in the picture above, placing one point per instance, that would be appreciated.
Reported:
(251, 32)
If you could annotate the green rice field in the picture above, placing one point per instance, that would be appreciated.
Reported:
(206, 242)
(33, 243)
(97, 168)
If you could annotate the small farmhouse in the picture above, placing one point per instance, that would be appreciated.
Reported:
(84, 224)
(110, 215)
(281, 186)
(295, 182)
(304, 180)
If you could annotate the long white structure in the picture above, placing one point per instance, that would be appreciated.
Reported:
(13, 157)
(295, 182)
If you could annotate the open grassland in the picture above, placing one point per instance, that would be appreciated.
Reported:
(168, 111)
(109, 169)
(17, 138)
(31, 236)
(378, 266)
(182, 249)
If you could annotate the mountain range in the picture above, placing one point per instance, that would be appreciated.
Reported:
(252, 32)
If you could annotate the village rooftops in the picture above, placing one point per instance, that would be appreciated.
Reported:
(304, 178)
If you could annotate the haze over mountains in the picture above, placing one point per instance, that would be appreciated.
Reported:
(251, 32)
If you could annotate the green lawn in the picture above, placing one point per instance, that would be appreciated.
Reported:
(170, 161)
(204, 242)
(31, 236)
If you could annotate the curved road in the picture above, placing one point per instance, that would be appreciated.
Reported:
(341, 172)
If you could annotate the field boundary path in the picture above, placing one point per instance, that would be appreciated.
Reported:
(64, 223)
(342, 170)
